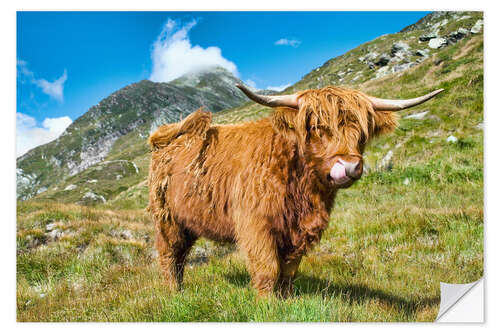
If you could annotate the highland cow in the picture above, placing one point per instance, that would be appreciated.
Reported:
(267, 185)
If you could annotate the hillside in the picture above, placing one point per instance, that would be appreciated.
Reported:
(122, 119)
(415, 219)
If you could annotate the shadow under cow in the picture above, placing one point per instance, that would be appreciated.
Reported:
(353, 293)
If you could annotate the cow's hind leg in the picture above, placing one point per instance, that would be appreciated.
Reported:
(263, 263)
(181, 255)
(173, 244)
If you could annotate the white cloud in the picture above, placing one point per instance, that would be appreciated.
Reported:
(279, 88)
(286, 41)
(54, 89)
(29, 135)
(251, 83)
(173, 55)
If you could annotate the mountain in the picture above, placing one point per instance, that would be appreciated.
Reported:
(103, 158)
(131, 112)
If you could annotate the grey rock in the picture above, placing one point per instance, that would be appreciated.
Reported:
(437, 43)
(91, 196)
(24, 184)
(398, 47)
(451, 139)
(50, 226)
(369, 59)
(55, 234)
(93, 153)
(406, 181)
(386, 162)
(428, 36)
(123, 234)
(371, 56)
(422, 53)
(400, 55)
(126, 234)
(418, 116)
(382, 71)
(357, 77)
(383, 60)
(70, 187)
(402, 67)
(41, 190)
(478, 26)
(371, 65)
(455, 36)
(439, 24)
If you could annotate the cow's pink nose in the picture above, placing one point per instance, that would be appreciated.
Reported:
(353, 169)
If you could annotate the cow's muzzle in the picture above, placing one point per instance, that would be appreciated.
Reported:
(344, 173)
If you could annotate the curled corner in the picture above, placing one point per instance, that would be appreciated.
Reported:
(452, 295)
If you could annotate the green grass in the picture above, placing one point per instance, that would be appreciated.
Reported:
(382, 258)
(393, 236)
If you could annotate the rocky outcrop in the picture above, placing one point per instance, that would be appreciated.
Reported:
(383, 60)
(24, 184)
(436, 43)
(417, 116)
(91, 197)
(455, 36)
(400, 50)
(478, 26)
(428, 36)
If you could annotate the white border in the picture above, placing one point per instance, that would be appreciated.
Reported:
(7, 132)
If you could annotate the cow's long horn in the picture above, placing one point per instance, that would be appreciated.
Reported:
(400, 104)
(271, 101)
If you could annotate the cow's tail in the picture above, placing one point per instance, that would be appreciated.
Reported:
(197, 123)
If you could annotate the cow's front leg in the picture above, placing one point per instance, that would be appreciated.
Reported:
(255, 239)
(287, 275)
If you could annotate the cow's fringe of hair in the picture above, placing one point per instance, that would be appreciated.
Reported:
(331, 109)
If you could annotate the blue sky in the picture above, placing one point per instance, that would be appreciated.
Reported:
(69, 61)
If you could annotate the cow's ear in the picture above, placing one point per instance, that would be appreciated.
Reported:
(385, 122)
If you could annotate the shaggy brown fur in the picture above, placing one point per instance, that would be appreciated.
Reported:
(264, 185)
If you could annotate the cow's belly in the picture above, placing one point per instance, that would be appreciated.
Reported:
(193, 208)
(213, 230)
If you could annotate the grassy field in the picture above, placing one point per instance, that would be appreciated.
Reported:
(388, 247)
(393, 236)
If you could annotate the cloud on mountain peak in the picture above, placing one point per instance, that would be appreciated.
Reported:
(173, 55)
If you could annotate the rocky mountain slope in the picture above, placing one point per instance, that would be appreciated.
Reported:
(103, 157)
(132, 112)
